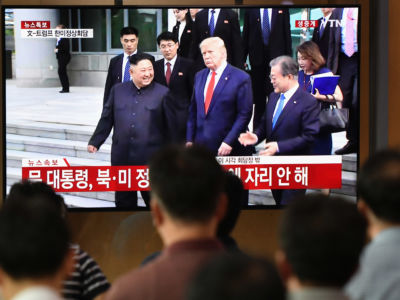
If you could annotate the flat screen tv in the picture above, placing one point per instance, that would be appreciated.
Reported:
(47, 131)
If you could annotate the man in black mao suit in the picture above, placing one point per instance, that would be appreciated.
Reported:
(226, 26)
(117, 70)
(322, 33)
(290, 122)
(343, 60)
(262, 43)
(63, 57)
(178, 77)
(137, 111)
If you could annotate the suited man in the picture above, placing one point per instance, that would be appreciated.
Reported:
(63, 57)
(343, 61)
(183, 30)
(221, 104)
(176, 73)
(290, 122)
(221, 22)
(137, 111)
(266, 35)
(322, 33)
(118, 70)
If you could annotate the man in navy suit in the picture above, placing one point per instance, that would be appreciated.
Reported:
(175, 72)
(221, 22)
(266, 35)
(118, 70)
(322, 33)
(221, 104)
(290, 122)
(138, 112)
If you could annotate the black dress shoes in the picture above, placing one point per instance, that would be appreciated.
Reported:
(63, 91)
(348, 148)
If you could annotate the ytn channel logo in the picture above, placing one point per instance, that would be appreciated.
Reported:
(317, 23)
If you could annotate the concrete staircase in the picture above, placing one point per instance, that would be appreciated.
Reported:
(35, 139)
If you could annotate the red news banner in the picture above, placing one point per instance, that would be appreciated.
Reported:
(256, 172)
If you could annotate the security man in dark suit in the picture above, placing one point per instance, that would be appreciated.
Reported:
(176, 73)
(218, 22)
(118, 70)
(322, 33)
(63, 57)
(138, 112)
(266, 35)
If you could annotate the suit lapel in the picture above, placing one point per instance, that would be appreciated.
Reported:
(270, 112)
(274, 15)
(223, 80)
(119, 66)
(220, 21)
(175, 70)
(200, 90)
(290, 105)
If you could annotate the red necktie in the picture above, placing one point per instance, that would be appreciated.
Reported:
(209, 93)
(168, 73)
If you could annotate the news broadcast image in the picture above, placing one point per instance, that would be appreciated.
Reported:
(57, 61)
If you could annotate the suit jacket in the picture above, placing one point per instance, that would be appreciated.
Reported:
(63, 54)
(335, 42)
(185, 43)
(229, 112)
(323, 41)
(140, 119)
(180, 86)
(296, 127)
(280, 41)
(227, 28)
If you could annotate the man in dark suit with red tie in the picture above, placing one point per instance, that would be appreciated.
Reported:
(118, 70)
(266, 35)
(221, 22)
(175, 72)
(221, 104)
(290, 122)
(322, 33)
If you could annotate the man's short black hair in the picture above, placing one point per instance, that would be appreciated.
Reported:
(136, 58)
(322, 238)
(187, 182)
(379, 185)
(34, 239)
(167, 36)
(237, 277)
(234, 191)
(129, 30)
(39, 194)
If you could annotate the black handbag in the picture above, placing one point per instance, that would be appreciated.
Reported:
(333, 119)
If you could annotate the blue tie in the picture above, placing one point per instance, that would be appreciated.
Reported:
(321, 30)
(211, 25)
(127, 76)
(278, 110)
(266, 28)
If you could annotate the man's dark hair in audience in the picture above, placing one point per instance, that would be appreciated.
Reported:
(34, 243)
(321, 239)
(87, 279)
(379, 185)
(128, 30)
(237, 277)
(193, 172)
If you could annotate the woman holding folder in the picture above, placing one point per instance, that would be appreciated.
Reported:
(312, 63)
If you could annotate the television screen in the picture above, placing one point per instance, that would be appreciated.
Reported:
(68, 81)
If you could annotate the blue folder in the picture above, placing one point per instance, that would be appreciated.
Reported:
(326, 84)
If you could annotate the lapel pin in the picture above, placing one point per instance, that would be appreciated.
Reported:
(226, 78)
(188, 31)
(294, 102)
(280, 12)
(180, 74)
(226, 21)
(258, 20)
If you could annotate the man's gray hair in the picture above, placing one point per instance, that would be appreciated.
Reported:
(215, 41)
(288, 65)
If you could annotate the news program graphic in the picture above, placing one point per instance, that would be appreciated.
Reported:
(256, 172)
(41, 29)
